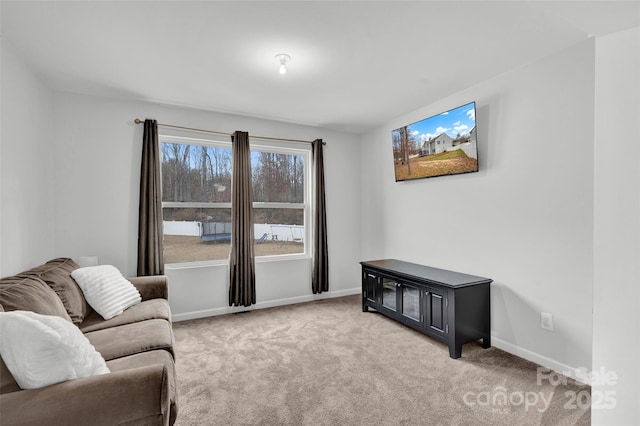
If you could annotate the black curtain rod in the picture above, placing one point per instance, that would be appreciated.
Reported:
(215, 132)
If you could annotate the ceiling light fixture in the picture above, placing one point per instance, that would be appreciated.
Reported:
(283, 58)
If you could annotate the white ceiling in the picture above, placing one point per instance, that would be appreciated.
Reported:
(354, 65)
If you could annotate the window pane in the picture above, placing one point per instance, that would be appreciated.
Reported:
(192, 235)
(195, 173)
(277, 178)
(278, 231)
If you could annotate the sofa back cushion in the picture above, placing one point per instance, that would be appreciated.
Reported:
(8, 383)
(30, 293)
(57, 274)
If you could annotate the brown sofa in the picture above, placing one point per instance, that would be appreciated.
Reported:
(137, 347)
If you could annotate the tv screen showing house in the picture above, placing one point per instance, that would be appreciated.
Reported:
(444, 144)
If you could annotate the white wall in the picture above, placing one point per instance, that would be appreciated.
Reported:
(98, 149)
(616, 324)
(27, 199)
(525, 219)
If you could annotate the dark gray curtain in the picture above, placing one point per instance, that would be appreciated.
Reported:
(242, 289)
(150, 258)
(320, 274)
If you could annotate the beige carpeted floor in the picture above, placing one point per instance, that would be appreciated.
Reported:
(328, 363)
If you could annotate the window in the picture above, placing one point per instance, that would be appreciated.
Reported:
(196, 199)
(280, 205)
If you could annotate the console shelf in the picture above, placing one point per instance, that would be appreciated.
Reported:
(450, 306)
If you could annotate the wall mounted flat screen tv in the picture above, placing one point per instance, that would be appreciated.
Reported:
(444, 144)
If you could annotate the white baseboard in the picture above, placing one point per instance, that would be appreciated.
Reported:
(263, 305)
(578, 374)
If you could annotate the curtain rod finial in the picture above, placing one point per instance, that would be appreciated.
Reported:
(138, 121)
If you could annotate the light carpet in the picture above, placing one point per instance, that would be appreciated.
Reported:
(328, 363)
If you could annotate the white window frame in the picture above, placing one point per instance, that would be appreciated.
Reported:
(282, 147)
(279, 147)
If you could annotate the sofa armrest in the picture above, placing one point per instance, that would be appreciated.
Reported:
(135, 395)
(152, 287)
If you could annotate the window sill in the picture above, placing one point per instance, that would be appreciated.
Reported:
(282, 257)
(199, 264)
(225, 262)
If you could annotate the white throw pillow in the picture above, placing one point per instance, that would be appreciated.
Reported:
(106, 290)
(41, 350)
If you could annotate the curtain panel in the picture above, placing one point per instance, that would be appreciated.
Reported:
(242, 288)
(320, 274)
(150, 256)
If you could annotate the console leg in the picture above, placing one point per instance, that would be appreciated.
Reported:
(365, 308)
(486, 342)
(455, 351)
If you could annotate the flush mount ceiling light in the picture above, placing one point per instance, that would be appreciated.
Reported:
(283, 58)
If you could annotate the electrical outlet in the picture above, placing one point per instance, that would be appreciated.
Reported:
(546, 321)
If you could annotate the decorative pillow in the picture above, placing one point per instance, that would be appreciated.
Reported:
(56, 273)
(30, 293)
(106, 290)
(41, 350)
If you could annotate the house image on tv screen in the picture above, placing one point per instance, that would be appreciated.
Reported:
(444, 144)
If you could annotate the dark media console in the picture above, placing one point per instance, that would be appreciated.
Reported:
(452, 307)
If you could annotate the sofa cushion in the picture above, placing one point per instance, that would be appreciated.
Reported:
(149, 358)
(57, 274)
(148, 309)
(129, 339)
(30, 293)
(106, 290)
(41, 350)
(7, 383)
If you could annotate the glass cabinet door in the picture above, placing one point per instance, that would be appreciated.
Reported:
(389, 287)
(411, 302)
